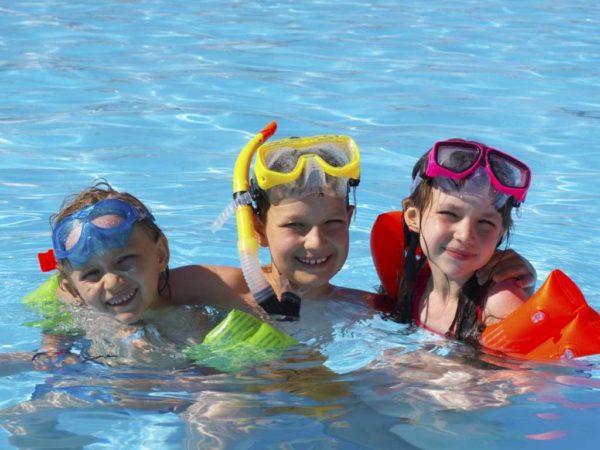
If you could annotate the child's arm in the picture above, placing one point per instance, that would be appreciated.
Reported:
(508, 265)
(219, 286)
(503, 298)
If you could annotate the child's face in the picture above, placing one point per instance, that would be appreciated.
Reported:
(458, 235)
(308, 239)
(123, 282)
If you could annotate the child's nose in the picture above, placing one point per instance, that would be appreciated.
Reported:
(111, 280)
(314, 238)
(464, 230)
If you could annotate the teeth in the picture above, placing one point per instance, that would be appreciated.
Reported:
(312, 261)
(121, 300)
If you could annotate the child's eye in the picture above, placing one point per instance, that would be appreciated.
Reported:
(125, 261)
(335, 222)
(294, 225)
(91, 276)
(487, 223)
(448, 214)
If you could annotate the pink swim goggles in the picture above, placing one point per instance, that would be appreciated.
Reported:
(456, 159)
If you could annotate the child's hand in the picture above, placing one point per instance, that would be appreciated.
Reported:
(508, 264)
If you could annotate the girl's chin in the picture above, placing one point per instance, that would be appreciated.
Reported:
(128, 318)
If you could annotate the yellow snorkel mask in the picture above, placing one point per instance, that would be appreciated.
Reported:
(326, 165)
(286, 160)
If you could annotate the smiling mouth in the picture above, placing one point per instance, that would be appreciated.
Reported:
(313, 261)
(459, 254)
(122, 300)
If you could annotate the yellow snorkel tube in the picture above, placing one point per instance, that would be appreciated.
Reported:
(247, 244)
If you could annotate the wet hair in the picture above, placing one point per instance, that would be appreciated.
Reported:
(102, 190)
(466, 325)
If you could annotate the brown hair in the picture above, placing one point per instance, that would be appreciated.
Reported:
(101, 190)
(466, 325)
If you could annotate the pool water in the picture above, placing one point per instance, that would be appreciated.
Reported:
(158, 97)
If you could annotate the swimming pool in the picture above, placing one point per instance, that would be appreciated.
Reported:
(158, 97)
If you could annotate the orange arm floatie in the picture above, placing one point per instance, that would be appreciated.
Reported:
(387, 249)
(556, 322)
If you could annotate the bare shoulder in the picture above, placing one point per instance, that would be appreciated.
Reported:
(503, 298)
(220, 286)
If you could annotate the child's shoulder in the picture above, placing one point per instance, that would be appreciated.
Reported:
(189, 281)
(503, 298)
(219, 286)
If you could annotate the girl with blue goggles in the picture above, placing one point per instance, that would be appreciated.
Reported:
(100, 227)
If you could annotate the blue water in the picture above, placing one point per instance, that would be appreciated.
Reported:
(159, 96)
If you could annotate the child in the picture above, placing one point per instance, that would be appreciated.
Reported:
(304, 221)
(112, 256)
(113, 259)
(302, 188)
(458, 213)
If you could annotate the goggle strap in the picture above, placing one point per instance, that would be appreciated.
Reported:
(47, 261)
(255, 190)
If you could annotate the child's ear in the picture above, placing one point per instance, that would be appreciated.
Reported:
(162, 247)
(412, 217)
(351, 210)
(259, 231)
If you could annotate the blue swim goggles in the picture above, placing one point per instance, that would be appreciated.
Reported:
(80, 236)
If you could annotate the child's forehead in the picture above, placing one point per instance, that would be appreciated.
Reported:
(458, 199)
(313, 202)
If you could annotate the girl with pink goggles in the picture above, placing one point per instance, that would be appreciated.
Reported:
(457, 159)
